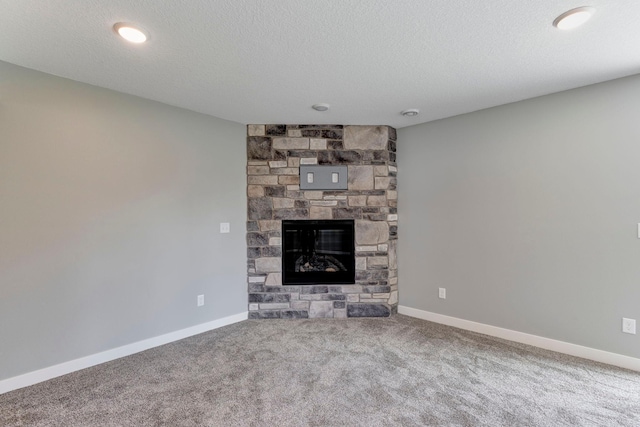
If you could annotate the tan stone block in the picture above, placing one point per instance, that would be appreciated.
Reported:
(371, 233)
(382, 183)
(293, 162)
(255, 191)
(392, 217)
(291, 143)
(318, 144)
(392, 195)
(377, 261)
(357, 200)
(324, 203)
(258, 170)
(296, 133)
(313, 195)
(393, 298)
(383, 248)
(269, 265)
(376, 200)
(273, 279)
(257, 279)
(361, 263)
(366, 248)
(351, 289)
(380, 171)
(262, 180)
(274, 306)
(288, 179)
(257, 163)
(278, 164)
(300, 305)
(366, 137)
(320, 212)
(381, 296)
(332, 197)
(293, 187)
(282, 203)
(393, 281)
(255, 130)
(360, 178)
(308, 161)
(253, 307)
(269, 225)
(320, 309)
(275, 241)
(286, 171)
(393, 169)
(393, 261)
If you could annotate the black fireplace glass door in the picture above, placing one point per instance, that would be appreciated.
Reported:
(318, 252)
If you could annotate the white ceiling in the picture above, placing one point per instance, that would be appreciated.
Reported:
(261, 61)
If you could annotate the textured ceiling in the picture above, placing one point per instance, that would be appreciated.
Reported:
(259, 61)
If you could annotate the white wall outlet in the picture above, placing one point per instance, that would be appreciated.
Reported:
(225, 227)
(442, 293)
(628, 326)
(200, 300)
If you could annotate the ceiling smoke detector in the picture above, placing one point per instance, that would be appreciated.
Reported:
(320, 107)
(573, 18)
(410, 112)
(130, 32)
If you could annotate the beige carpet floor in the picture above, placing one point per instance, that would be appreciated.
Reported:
(359, 372)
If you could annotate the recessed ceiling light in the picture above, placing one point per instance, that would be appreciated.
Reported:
(130, 32)
(320, 107)
(573, 18)
(410, 112)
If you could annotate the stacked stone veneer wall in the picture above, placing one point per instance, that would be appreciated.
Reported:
(275, 153)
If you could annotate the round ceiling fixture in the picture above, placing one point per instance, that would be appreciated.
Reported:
(130, 33)
(573, 18)
(410, 112)
(320, 107)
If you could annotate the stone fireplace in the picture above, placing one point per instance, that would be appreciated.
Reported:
(315, 220)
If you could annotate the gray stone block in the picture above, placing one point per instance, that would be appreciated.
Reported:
(291, 214)
(276, 130)
(259, 148)
(294, 314)
(267, 314)
(257, 239)
(260, 208)
(339, 304)
(264, 298)
(368, 310)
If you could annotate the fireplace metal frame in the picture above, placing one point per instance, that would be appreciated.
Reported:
(320, 278)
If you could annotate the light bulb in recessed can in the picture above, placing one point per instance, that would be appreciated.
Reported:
(573, 18)
(320, 107)
(411, 112)
(130, 33)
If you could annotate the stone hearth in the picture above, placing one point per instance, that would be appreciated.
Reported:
(274, 156)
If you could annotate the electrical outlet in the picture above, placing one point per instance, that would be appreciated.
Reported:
(200, 300)
(628, 326)
(225, 227)
(442, 293)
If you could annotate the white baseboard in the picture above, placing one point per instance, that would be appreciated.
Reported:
(523, 338)
(45, 374)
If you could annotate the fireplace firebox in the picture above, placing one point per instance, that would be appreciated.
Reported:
(318, 252)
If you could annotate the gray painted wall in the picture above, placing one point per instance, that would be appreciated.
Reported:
(109, 219)
(527, 214)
